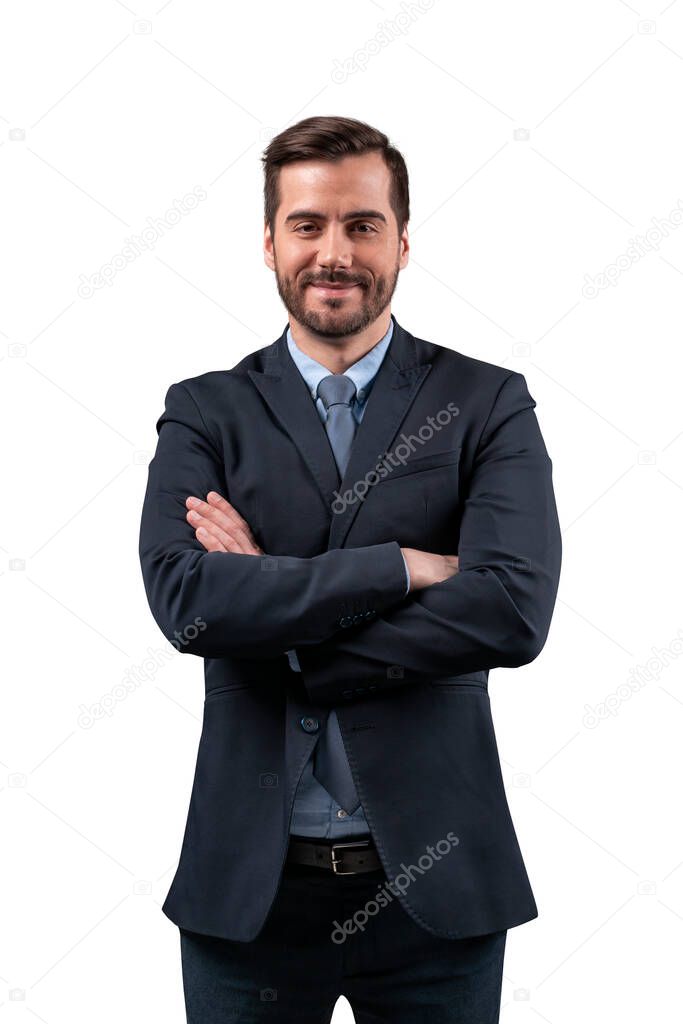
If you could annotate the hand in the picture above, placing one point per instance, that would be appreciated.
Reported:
(426, 568)
(220, 527)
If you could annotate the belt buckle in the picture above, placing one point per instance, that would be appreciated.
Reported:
(345, 846)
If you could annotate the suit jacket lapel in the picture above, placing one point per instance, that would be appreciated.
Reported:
(285, 391)
(399, 378)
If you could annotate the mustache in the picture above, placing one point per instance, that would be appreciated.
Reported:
(333, 280)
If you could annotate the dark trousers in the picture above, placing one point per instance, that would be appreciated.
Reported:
(325, 938)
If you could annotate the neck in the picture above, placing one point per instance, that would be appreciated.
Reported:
(338, 353)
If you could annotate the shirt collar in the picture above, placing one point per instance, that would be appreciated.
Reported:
(362, 372)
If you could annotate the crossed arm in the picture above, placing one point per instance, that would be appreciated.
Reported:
(242, 602)
(494, 611)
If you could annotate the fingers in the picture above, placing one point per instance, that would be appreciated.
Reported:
(204, 529)
(216, 501)
(217, 522)
(223, 525)
(208, 540)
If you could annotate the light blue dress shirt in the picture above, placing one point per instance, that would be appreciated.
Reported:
(315, 812)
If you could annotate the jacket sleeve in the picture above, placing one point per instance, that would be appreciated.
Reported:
(216, 604)
(293, 660)
(496, 610)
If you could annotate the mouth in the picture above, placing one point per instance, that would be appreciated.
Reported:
(335, 291)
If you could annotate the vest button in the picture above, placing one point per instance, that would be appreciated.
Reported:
(310, 724)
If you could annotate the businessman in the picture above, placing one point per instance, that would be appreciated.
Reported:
(351, 527)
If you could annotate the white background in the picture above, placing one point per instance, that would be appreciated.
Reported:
(540, 138)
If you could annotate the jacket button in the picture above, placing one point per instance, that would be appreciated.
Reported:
(370, 615)
(357, 618)
(345, 621)
(310, 724)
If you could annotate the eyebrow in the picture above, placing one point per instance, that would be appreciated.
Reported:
(354, 215)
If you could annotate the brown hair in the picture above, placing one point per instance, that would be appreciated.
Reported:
(331, 138)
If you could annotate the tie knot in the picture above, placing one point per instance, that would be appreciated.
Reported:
(337, 389)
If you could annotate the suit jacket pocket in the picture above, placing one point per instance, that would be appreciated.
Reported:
(222, 691)
(418, 463)
(461, 683)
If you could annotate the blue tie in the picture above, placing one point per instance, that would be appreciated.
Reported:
(331, 766)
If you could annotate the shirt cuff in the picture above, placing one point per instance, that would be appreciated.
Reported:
(407, 573)
(293, 660)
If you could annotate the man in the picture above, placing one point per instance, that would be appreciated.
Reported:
(351, 527)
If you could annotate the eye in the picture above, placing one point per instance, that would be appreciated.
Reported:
(363, 228)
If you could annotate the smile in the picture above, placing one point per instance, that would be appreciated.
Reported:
(333, 291)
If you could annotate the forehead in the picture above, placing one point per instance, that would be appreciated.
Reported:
(353, 181)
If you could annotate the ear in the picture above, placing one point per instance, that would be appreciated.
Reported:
(268, 253)
(404, 248)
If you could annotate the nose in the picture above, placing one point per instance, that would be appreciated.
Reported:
(335, 248)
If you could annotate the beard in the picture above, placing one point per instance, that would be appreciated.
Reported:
(334, 320)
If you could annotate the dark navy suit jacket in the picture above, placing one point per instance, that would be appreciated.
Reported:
(448, 458)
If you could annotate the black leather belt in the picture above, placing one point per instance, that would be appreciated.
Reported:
(352, 857)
